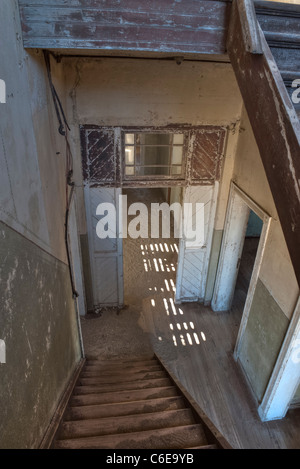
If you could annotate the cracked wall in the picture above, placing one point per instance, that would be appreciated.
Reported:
(38, 319)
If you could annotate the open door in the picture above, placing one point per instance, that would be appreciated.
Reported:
(105, 254)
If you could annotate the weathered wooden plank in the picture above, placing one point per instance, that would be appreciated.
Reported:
(123, 16)
(126, 423)
(138, 384)
(117, 378)
(276, 128)
(187, 7)
(287, 60)
(280, 24)
(112, 398)
(274, 8)
(168, 26)
(171, 438)
(206, 41)
(250, 30)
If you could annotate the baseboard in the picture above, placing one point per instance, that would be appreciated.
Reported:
(56, 419)
(295, 404)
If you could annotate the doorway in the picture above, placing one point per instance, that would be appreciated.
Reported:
(240, 261)
(247, 261)
(149, 263)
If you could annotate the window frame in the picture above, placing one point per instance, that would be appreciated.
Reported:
(156, 177)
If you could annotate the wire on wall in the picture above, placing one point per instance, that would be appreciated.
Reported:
(63, 129)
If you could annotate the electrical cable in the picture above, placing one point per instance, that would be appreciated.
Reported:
(63, 130)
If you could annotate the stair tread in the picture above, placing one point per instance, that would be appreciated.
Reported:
(95, 378)
(126, 424)
(129, 404)
(121, 361)
(93, 368)
(166, 438)
(111, 370)
(204, 447)
(124, 408)
(122, 396)
(134, 385)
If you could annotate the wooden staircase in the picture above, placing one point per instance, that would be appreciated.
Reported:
(133, 404)
(280, 23)
(263, 47)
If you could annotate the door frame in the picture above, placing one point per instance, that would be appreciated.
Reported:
(237, 199)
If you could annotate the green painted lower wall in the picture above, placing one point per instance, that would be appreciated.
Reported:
(262, 340)
(38, 323)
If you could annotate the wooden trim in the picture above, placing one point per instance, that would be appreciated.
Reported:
(212, 433)
(257, 264)
(276, 128)
(162, 27)
(250, 29)
(58, 415)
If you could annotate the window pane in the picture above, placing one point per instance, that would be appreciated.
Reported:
(129, 139)
(177, 155)
(154, 139)
(129, 155)
(178, 139)
(129, 170)
(176, 170)
(152, 171)
(153, 155)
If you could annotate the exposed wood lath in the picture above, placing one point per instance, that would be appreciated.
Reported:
(167, 26)
(275, 126)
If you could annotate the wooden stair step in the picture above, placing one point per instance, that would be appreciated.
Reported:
(96, 378)
(124, 408)
(139, 384)
(121, 362)
(126, 424)
(94, 369)
(166, 438)
(204, 447)
(123, 396)
(108, 369)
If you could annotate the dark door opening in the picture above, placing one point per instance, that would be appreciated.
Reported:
(247, 260)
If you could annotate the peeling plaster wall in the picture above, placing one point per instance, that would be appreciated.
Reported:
(277, 289)
(38, 320)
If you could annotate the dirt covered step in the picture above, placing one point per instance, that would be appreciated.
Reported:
(91, 378)
(166, 438)
(111, 387)
(122, 396)
(126, 424)
(124, 408)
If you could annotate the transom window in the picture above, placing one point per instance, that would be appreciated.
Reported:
(154, 155)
